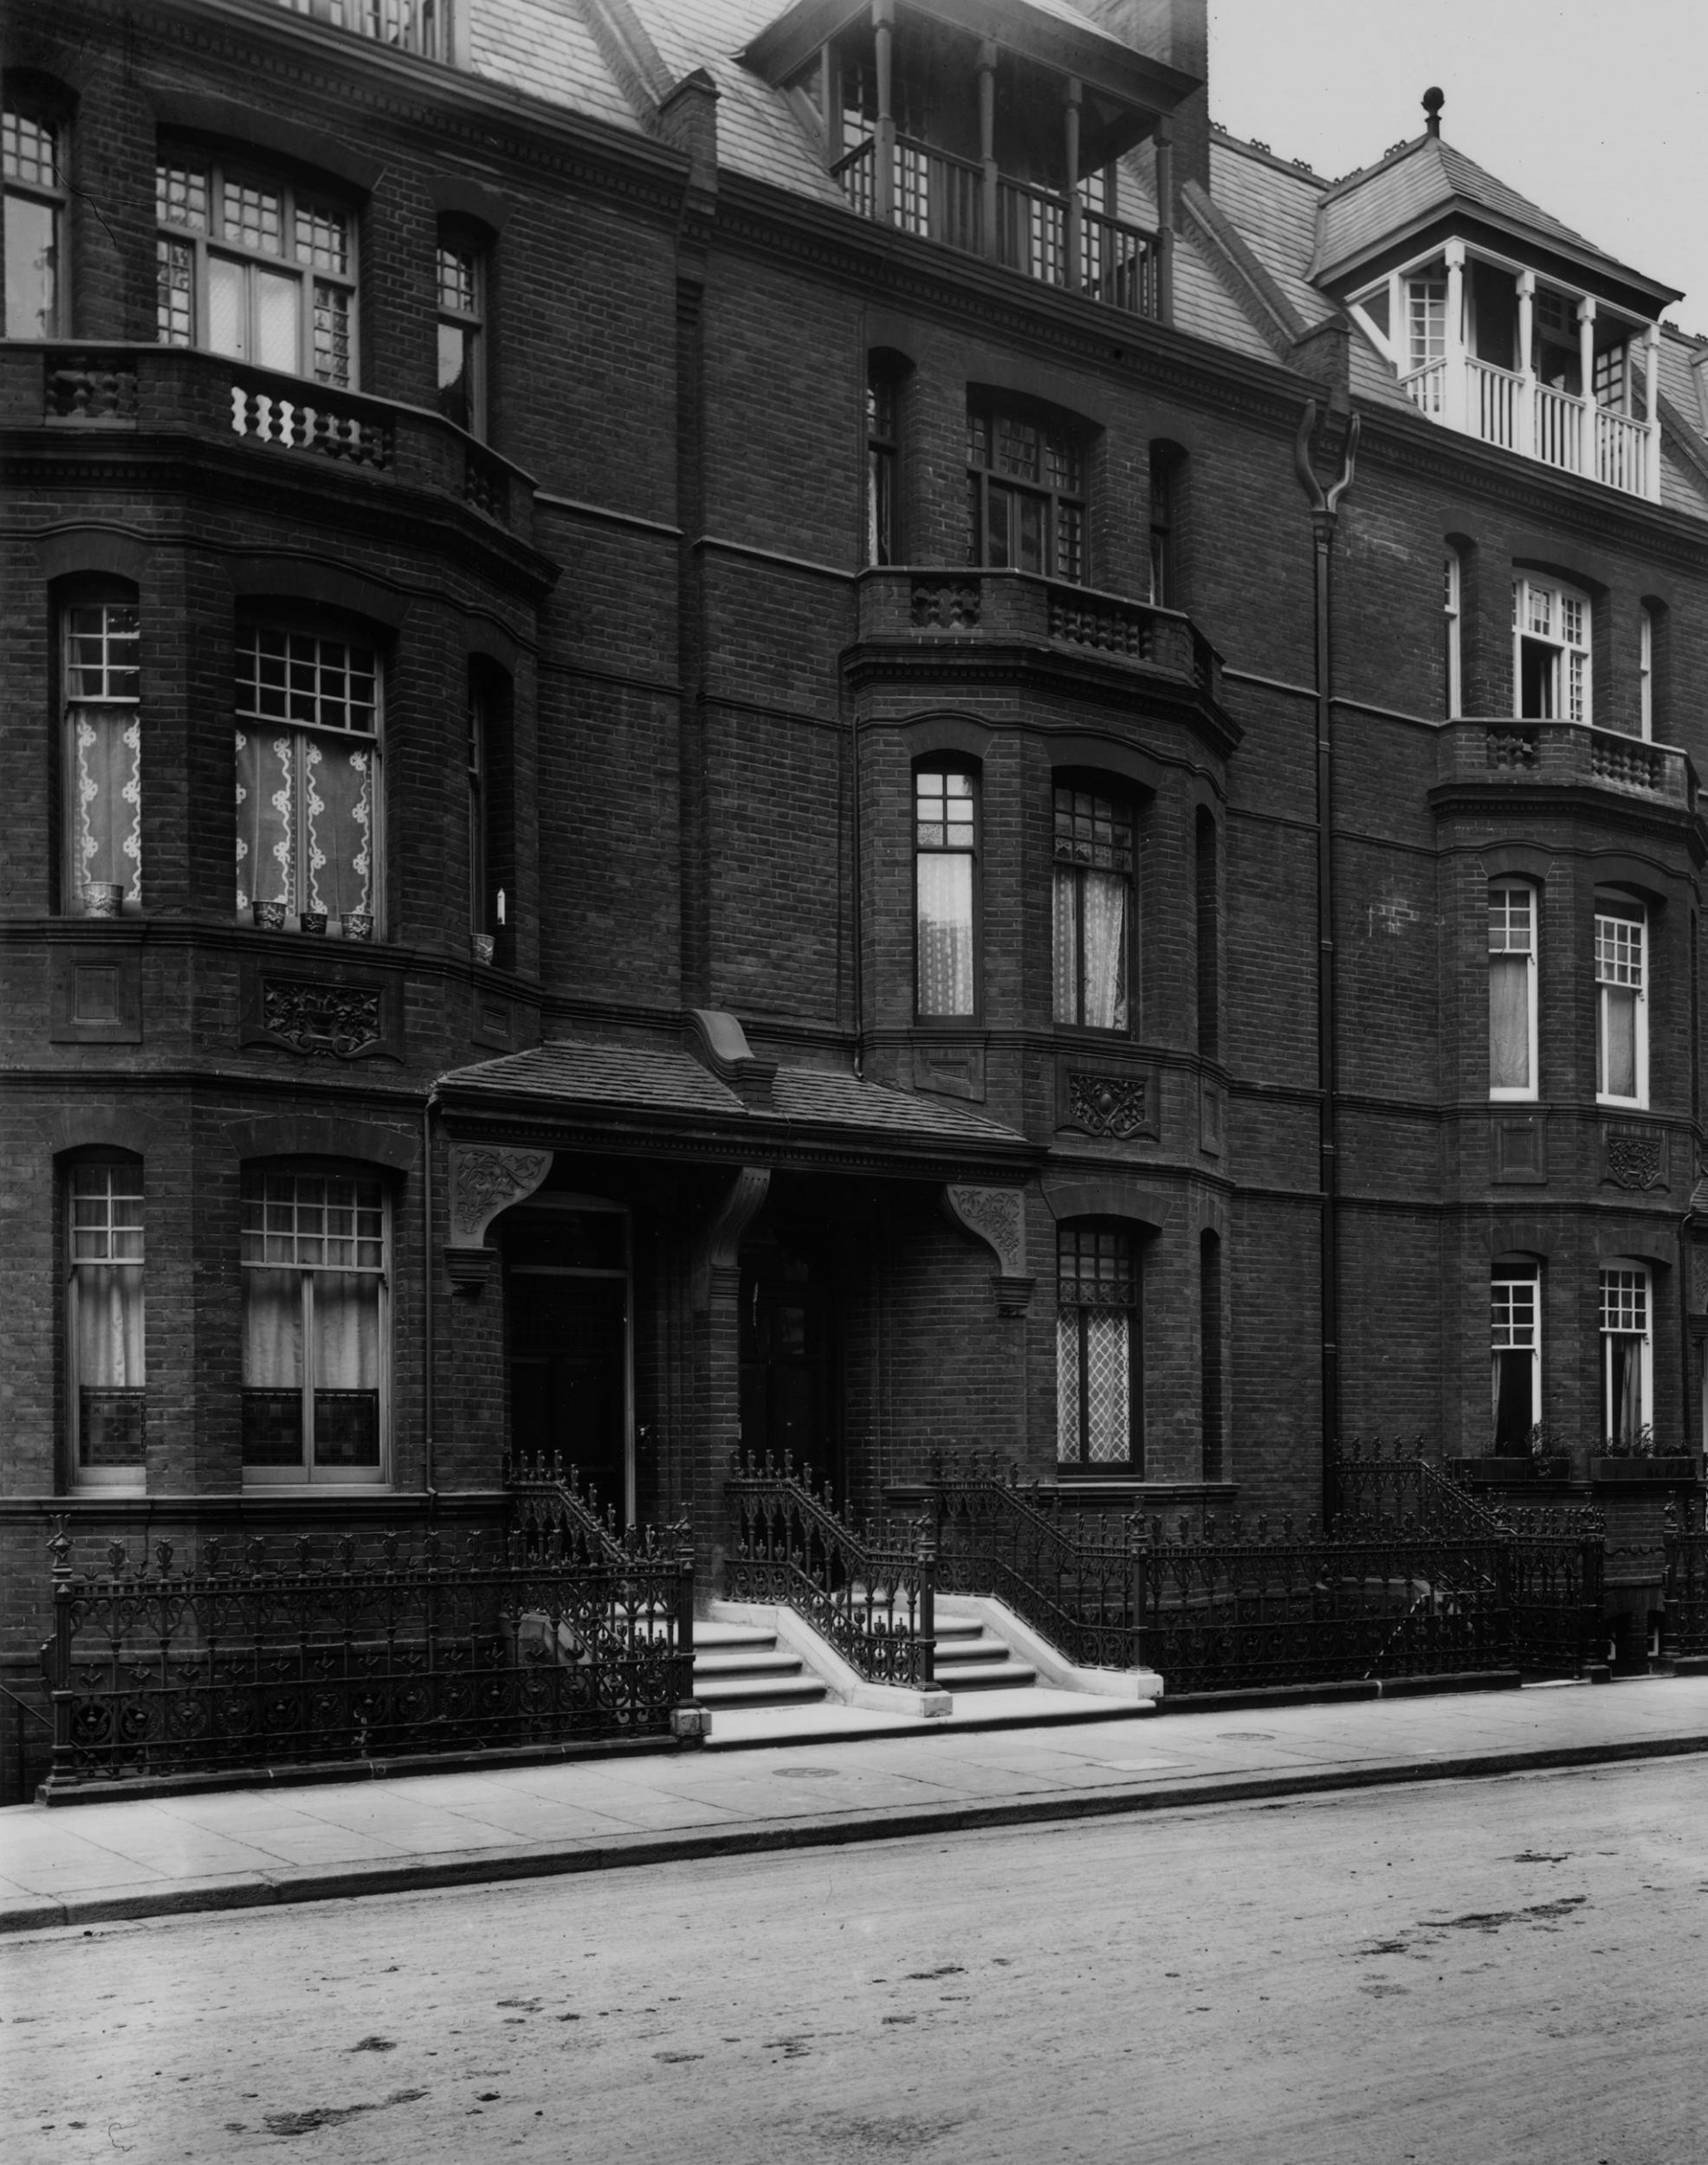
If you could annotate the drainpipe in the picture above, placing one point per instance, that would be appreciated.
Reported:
(1324, 514)
(427, 1298)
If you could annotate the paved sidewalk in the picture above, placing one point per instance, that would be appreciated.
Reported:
(132, 1858)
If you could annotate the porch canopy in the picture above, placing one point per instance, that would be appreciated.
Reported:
(663, 1101)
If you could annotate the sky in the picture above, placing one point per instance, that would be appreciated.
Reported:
(1597, 110)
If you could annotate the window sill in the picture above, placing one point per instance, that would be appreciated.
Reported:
(254, 1485)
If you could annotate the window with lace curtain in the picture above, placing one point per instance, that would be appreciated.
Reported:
(945, 845)
(1096, 1347)
(314, 1325)
(1091, 907)
(100, 654)
(106, 1399)
(308, 713)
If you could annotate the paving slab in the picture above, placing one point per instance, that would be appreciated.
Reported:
(137, 1857)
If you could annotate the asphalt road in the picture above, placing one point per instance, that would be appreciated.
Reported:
(1472, 1974)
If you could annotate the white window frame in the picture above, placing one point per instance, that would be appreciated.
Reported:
(1616, 957)
(1511, 1331)
(1627, 1293)
(99, 1244)
(1503, 935)
(1452, 613)
(1560, 619)
(22, 183)
(306, 1474)
(1646, 673)
(192, 231)
(461, 261)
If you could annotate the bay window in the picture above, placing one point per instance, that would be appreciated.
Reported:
(250, 264)
(101, 760)
(309, 711)
(1097, 1346)
(32, 170)
(1626, 1358)
(1512, 992)
(1091, 904)
(946, 838)
(1515, 1341)
(1550, 652)
(314, 1276)
(1621, 1001)
(106, 1399)
(1025, 495)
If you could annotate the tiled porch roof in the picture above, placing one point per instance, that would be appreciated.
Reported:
(626, 1083)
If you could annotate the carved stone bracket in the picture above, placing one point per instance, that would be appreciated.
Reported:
(996, 1216)
(1634, 1157)
(485, 1180)
(719, 1243)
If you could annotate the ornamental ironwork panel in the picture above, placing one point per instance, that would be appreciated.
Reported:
(1686, 1539)
(267, 1652)
(870, 1593)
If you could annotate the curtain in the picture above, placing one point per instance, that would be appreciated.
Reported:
(1090, 939)
(108, 1352)
(346, 1368)
(1064, 923)
(1508, 1022)
(1105, 904)
(272, 1367)
(1513, 1414)
(945, 933)
(1619, 1049)
(266, 818)
(338, 821)
(107, 797)
(1624, 1358)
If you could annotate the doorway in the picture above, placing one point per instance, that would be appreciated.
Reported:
(787, 1398)
(569, 1335)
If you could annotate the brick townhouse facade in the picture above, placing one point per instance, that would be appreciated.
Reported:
(668, 778)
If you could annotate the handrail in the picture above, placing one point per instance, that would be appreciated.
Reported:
(874, 1598)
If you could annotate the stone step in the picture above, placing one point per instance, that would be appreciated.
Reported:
(747, 1661)
(759, 1691)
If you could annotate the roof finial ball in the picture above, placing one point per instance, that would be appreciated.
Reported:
(1432, 102)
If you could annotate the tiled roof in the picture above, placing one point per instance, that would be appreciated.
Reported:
(1427, 175)
(543, 47)
(1275, 211)
(618, 1078)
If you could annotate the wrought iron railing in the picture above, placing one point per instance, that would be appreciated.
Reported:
(1412, 1577)
(548, 1502)
(1081, 1591)
(1686, 1539)
(295, 1651)
(871, 1593)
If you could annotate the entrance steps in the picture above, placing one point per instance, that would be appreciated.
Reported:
(767, 1677)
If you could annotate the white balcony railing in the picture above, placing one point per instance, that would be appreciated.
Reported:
(1499, 406)
(414, 26)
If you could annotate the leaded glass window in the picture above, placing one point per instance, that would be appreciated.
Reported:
(946, 835)
(1091, 903)
(103, 645)
(314, 1260)
(1025, 495)
(107, 1402)
(252, 265)
(1097, 1346)
(308, 747)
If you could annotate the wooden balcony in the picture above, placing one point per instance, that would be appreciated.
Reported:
(115, 390)
(961, 204)
(1501, 406)
(1516, 754)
